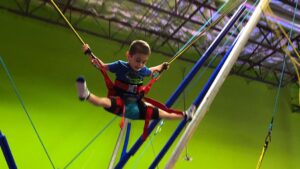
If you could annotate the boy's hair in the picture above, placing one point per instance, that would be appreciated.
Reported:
(139, 46)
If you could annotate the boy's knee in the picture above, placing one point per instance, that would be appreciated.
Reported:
(116, 105)
(145, 111)
(155, 114)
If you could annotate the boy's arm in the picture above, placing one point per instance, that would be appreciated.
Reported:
(160, 68)
(94, 60)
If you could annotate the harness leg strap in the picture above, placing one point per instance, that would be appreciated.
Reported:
(149, 112)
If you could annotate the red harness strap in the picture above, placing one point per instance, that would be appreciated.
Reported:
(149, 113)
(120, 108)
(162, 106)
(109, 84)
(127, 87)
(146, 89)
(111, 92)
(139, 90)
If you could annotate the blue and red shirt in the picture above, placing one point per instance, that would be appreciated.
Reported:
(126, 74)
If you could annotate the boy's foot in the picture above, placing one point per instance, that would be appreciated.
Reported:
(189, 113)
(83, 91)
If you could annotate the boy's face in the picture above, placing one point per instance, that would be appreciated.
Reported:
(137, 61)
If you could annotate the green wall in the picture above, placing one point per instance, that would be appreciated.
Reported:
(45, 61)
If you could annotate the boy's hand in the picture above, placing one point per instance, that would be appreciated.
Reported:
(96, 62)
(165, 66)
(93, 59)
(160, 68)
(86, 49)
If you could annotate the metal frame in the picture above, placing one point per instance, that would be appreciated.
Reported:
(7, 152)
(253, 65)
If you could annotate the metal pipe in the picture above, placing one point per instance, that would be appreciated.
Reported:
(6, 152)
(117, 146)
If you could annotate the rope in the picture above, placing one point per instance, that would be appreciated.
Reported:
(284, 48)
(283, 31)
(187, 156)
(158, 130)
(275, 110)
(91, 141)
(143, 152)
(25, 110)
(66, 20)
(294, 61)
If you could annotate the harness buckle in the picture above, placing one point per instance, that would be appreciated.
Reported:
(132, 88)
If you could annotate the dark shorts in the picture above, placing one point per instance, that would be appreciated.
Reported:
(135, 110)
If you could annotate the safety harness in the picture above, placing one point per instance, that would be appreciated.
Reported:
(141, 91)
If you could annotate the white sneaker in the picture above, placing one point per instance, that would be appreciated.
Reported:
(189, 113)
(83, 91)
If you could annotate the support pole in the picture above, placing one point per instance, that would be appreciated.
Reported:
(6, 152)
(126, 140)
(207, 100)
(118, 144)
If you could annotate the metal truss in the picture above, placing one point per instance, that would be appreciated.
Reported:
(168, 25)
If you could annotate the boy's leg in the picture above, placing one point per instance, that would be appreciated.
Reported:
(163, 114)
(189, 113)
(83, 91)
(84, 94)
(169, 116)
(99, 101)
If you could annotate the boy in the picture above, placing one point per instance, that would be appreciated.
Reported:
(131, 75)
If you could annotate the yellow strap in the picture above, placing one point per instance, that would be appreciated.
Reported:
(262, 155)
(294, 61)
(265, 4)
(284, 48)
(284, 32)
(66, 20)
(266, 9)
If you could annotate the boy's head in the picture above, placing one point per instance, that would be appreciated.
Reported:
(138, 54)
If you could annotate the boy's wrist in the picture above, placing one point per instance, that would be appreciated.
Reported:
(88, 51)
(164, 66)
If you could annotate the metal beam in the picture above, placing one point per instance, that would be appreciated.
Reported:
(66, 6)
(181, 25)
(143, 28)
(201, 23)
(139, 23)
(264, 58)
